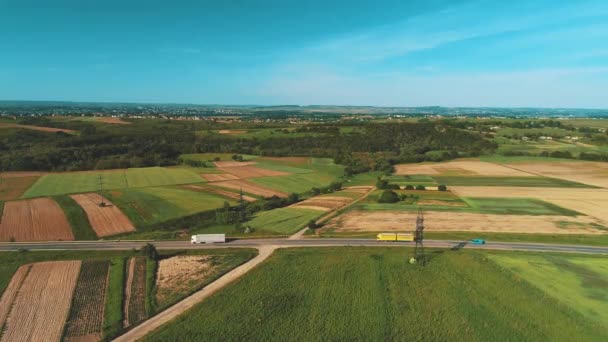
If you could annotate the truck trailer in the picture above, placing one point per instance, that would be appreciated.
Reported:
(395, 237)
(208, 238)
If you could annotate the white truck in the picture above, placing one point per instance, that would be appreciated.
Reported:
(208, 238)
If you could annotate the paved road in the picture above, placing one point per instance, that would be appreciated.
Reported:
(311, 242)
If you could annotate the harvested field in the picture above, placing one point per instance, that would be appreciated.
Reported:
(458, 168)
(251, 188)
(86, 315)
(13, 188)
(358, 189)
(592, 202)
(105, 221)
(179, 274)
(135, 292)
(18, 174)
(110, 120)
(40, 219)
(295, 161)
(364, 221)
(218, 177)
(244, 172)
(441, 203)
(8, 297)
(323, 203)
(231, 132)
(42, 304)
(232, 163)
(592, 173)
(36, 128)
(225, 193)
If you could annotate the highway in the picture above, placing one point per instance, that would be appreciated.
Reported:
(285, 243)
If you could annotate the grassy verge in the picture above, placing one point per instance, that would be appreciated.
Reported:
(78, 219)
(462, 295)
(113, 314)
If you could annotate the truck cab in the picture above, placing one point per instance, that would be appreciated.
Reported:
(478, 241)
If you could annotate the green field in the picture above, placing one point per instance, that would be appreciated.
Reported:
(212, 156)
(76, 182)
(372, 294)
(543, 182)
(77, 217)
(298, 183)
(147, 206)
(517, 206)
(368, 178)
(411, 180)
(284, 220)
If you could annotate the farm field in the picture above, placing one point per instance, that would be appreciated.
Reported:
(40, 308)
(225, 193)
(587, 201)
(591, 173)
(293, 296)
(542, 182)
(105, 221)
(252, 187)
(135, 292)
(285, 220)
(298, 183)
(85, 321)
(36, 128)
(81, 227)
(78, 182)
(459, 168)
(13, 187)
(148, 206)
(40, 219)
(450, 221)
(324, 203)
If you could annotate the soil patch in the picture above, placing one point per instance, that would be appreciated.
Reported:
(107, 220)
(40, 219)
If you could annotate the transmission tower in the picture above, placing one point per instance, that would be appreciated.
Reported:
(419, 256)
(102, 203)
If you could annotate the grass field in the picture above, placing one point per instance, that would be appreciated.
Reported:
(147, 206)
(81, 227)
(77, 182)
(284, 220)
(411, 180)
(298, 183)
(203, 157)
(543, 182)
(372, 294)
(368, 178)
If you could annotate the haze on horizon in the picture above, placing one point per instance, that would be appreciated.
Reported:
(537, 53)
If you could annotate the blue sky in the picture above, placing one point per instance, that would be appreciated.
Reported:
(535, 53)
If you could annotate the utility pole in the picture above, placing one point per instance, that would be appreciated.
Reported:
(102, 203)
(419, 239)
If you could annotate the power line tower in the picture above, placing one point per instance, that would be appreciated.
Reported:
(102, 203)
(419, 256)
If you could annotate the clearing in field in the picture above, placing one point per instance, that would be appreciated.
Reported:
(218, 177)
(592, 202)
(592, 173)
(37, 128)
(86, 314)
(323, 203)
(251, 187)
(13, 187)
(40, 219)
(459, 168)
(230, 194)
(42, 304)
(294, 296)
(448, 221)
(285, 220)
(107, 220)
(244, 172)
(135, 292)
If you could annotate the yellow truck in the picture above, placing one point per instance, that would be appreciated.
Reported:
(395, 237)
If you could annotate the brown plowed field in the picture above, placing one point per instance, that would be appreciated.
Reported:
(36, 128)
(18, 174)
(42, 304)
(13, 188)
(358, 189)
(110, 120)
(251, 188)
(459, 168)
(323, 203)
(385, 220)
(592, 202)
(105, 221)
(8, 297)
(221, 164)
(40, 219)
(218, 177)
(244, 172)
(592, 173)
(86, 314)
(225, 193)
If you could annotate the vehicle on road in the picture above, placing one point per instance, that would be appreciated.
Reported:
(208, 238)
(478, 241)
(395, 237)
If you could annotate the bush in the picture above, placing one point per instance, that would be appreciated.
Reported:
(388, 196)
(409, 187)
(442, 187)
(420, 187)
(312, 224)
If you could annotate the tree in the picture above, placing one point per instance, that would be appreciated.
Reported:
(409, 187)
(442, 187)
(420, 187)
(388, 196)
(312, 225)
(293, 197)
(149, 250)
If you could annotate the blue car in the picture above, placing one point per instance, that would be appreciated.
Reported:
(478, 241)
